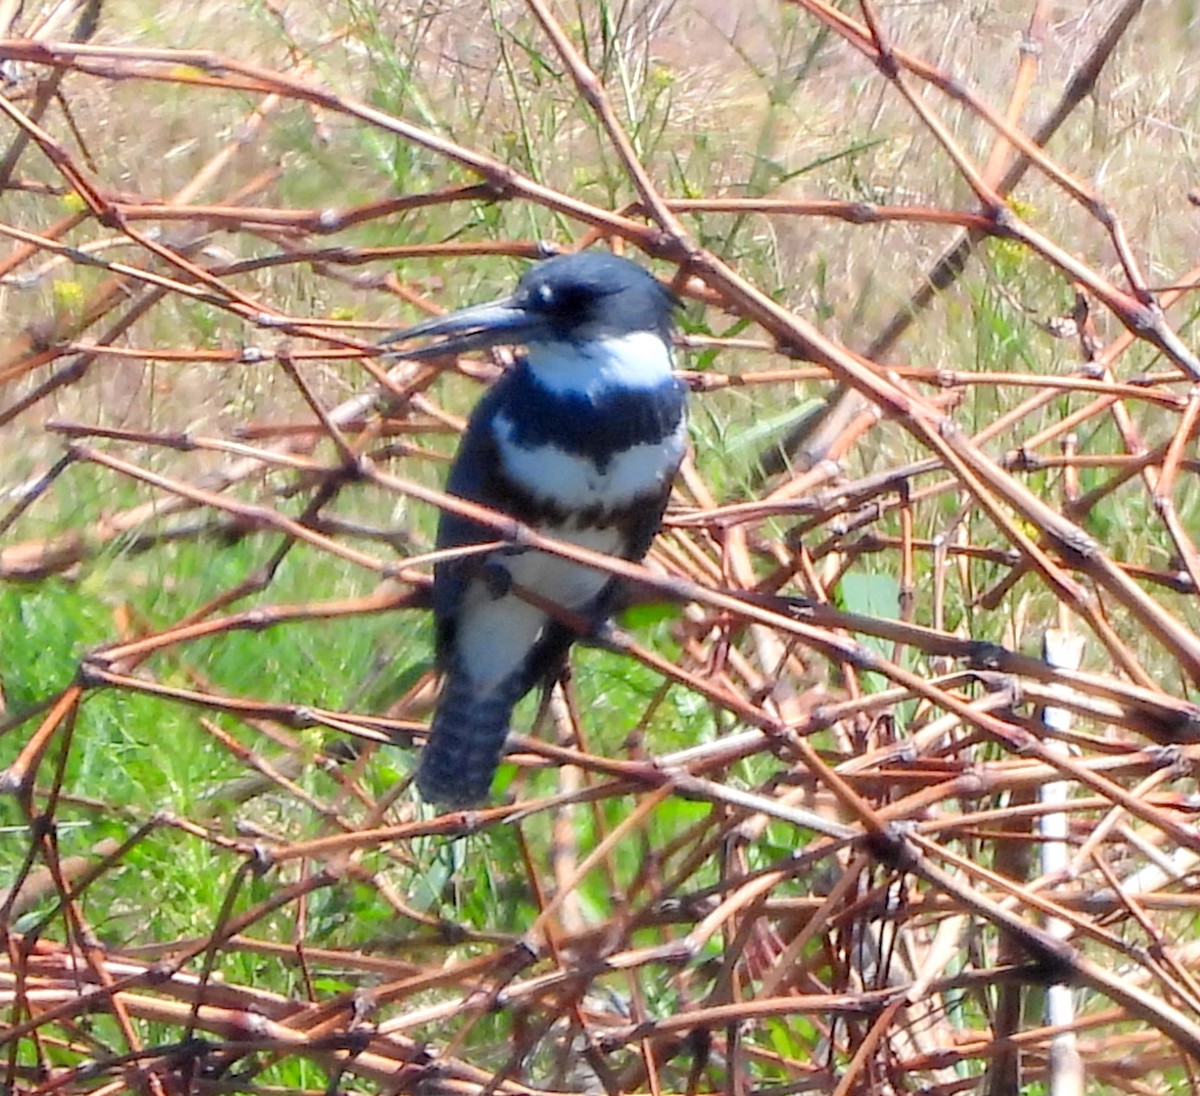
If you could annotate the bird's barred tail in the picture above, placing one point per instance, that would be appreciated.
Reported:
(465, 741)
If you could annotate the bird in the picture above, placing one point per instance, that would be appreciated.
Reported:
(580, 438)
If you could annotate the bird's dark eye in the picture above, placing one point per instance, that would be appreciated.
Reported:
(567, 303)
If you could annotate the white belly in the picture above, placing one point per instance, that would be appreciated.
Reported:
(574, 482)
(495, 633)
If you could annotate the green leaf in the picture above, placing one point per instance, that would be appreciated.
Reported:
(876, 595)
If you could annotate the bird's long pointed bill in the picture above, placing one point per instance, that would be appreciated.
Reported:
(473, 328)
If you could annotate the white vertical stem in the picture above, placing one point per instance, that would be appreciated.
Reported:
(1061, 649)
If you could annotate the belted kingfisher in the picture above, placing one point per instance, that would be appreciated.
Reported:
(580, 439)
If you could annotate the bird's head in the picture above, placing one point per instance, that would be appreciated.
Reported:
(570, 299)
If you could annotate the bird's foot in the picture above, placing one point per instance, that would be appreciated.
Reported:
(497, 578)
(607, 636)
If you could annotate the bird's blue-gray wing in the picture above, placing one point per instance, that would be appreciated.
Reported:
(474, 476)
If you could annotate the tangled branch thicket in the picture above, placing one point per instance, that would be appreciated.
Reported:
(890, 787)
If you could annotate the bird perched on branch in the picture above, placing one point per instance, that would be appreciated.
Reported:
(580, 439)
